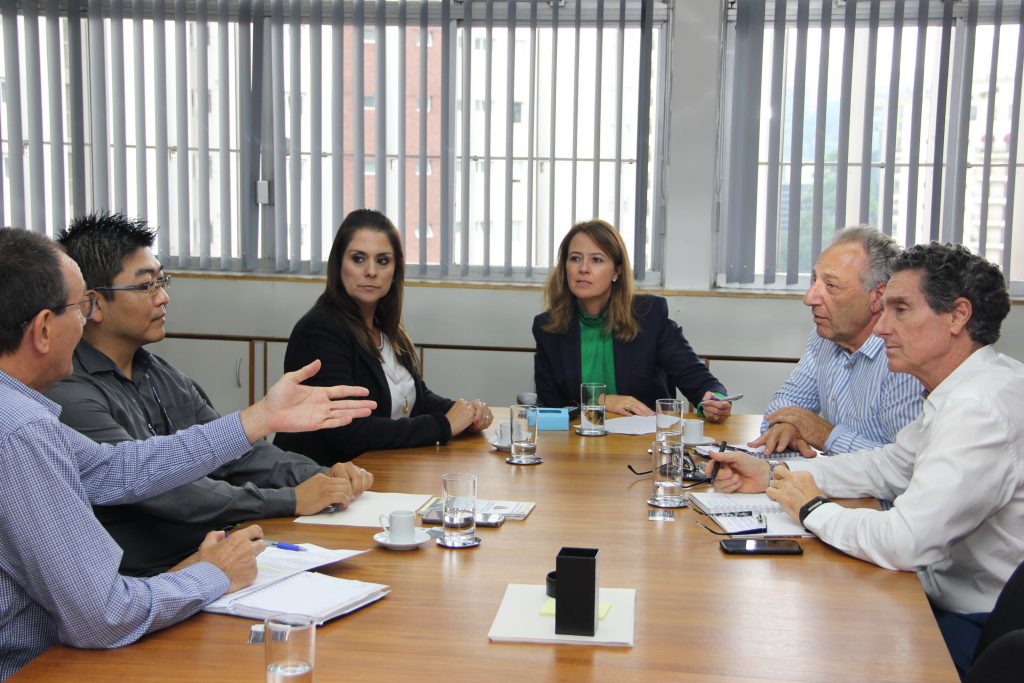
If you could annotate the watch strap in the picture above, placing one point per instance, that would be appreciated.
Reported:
(810, 506)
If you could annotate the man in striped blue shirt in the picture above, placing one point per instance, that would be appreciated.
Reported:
(842, 397)
(59, 576)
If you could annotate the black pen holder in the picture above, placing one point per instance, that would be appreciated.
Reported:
(577, 602)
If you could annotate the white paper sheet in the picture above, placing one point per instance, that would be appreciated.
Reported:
(519, 619)
(275, 564)
(367, 509)
(632, 424)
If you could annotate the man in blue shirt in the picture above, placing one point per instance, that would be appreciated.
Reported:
(121, 392)
(59, 576)
(842, 397)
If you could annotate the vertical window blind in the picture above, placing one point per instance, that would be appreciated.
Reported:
(902, 115)
(245, 130)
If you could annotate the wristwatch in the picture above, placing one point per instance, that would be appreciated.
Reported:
(810, 506)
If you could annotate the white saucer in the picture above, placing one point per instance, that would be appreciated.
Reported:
(497, 445)
(707, 440)
(421, 537)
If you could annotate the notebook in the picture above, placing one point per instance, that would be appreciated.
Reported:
(283, 585)
(321, 596)
(727, 505)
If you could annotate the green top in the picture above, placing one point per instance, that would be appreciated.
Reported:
(597, 356)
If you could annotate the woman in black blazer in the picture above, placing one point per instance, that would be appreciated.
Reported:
(355, 329)
(596, 330)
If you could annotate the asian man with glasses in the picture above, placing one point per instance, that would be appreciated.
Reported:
(119, 391)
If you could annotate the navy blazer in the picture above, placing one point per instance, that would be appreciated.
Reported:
(322, 333)
(647, 368)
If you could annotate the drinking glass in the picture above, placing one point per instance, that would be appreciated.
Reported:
(524, 436)
(669, 420)
(667, 476)
(290, 645)
(458, 510)
(592, 396)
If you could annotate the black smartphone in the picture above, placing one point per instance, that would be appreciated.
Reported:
(760, 546)
(490, 519)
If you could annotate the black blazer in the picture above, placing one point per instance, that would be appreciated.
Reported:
(322, 333)
(646, 368)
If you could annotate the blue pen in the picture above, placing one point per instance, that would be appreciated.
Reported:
(283, 546)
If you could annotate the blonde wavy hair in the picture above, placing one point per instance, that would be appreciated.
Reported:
(560, 302)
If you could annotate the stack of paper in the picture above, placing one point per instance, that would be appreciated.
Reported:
(367, 509)
(756, 452)
(511, 509)
(522, 618)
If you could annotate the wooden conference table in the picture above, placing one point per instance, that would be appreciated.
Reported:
(700, 616)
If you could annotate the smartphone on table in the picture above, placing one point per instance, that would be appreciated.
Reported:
(760, 546)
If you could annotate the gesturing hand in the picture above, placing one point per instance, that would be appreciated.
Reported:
(291, 406)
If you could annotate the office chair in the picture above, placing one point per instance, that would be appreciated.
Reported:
(1007, 615)
(1001, 662)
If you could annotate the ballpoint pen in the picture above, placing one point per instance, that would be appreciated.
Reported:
(283, 546)
(718, 463)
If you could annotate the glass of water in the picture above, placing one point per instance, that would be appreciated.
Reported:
(669, 420)
(667, 464)
(524, 436)
(458, 510)
(290, 645)
(592, 397)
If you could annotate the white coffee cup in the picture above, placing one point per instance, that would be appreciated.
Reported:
(693, 431)
(400, 525)
(505, 433)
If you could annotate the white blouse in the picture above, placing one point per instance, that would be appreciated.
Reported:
(400, 381)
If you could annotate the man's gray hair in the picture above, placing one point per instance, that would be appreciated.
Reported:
(880, 248)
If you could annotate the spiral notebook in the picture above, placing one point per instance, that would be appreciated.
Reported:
(738, 509)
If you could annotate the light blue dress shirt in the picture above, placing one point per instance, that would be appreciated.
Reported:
(855, 392)
(59, 576)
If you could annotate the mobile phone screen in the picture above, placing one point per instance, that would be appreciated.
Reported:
(760, 546)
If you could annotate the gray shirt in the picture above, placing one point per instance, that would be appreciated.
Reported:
(103, 404)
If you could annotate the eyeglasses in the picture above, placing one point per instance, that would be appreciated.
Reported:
(86, 307)
(151, 288)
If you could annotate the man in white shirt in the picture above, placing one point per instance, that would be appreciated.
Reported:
(956, 473)
(841, 396)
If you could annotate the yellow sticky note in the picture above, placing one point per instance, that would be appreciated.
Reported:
(548, 609)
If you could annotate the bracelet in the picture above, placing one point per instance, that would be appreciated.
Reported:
(772, 464)
(810, 506)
